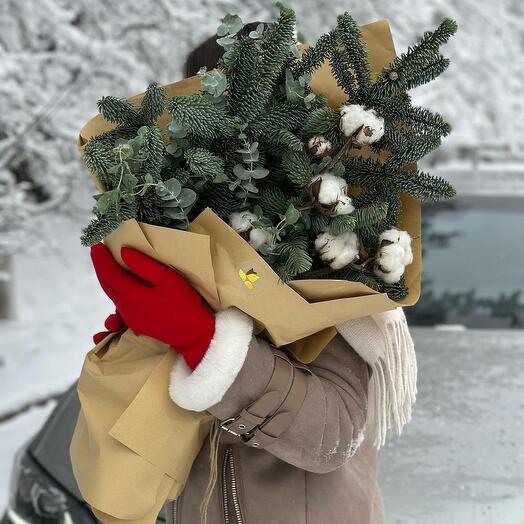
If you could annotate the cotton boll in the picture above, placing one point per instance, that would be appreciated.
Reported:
(392, 235)
(242, 221)
(355, 116)
(319, 145)
(390, 257)
(332, 188)
(405, 242)
(258, 236)
(372, 128)
(351, 118)
(402, 238)
(392, 277)
(337, 251)
(345, 206)
(389, 263)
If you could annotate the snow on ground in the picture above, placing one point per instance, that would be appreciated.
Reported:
(461, 460)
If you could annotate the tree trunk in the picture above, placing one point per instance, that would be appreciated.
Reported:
(7, 292)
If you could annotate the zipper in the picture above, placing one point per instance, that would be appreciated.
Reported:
(231, 501)
(171, 509)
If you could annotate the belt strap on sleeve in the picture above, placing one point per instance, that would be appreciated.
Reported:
(267, 417)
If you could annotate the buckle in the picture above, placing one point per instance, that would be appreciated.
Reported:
(224, 425)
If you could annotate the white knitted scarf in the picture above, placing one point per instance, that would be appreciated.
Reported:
(384, 342)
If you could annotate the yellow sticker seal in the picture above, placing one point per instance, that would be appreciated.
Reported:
(249, 278)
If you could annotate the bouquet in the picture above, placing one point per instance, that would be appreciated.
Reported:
(283, 182)
(315, 190)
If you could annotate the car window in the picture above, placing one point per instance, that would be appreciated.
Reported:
(473, 263)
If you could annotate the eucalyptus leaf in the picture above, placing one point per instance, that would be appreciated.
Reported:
(214, 83)
(338, 169)
(292, 214)
(220, 178)
(173, 186)
(172, 148)
(226, 42)
(129, 182)
(177, 129)
(257, 33)
(187, 197)
(294, 90)
(241, 172)
(128, 197)
(251, 156)
(116, 169)
(104, 201)
(265, 249)
(231, 25)
(174, 214)
(259, 173)
(125, 151)
(295, 51)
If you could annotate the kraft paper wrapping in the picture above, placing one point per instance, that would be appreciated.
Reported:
(132, 447)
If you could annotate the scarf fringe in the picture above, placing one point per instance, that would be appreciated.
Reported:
(395, 381)
(384, 342)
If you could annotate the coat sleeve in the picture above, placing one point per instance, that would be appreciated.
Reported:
(327, 428)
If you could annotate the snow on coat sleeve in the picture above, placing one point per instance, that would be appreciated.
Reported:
(328, 428)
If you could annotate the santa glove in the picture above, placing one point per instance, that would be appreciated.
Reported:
(113, 324)
(156, 301)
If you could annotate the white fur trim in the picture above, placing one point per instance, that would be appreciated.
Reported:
(204, 387)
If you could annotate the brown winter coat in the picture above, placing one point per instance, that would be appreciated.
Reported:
(320, 470)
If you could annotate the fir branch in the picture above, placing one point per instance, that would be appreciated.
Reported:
(345, 77)
(153, 104)
(319, 121)
(297, 167)
(98, 156)
(342, 224)
(313, 57)
(219, 198)
(103, 225)
(422, 118)
(276, 49)
(294, 257)
(280, 115)
(244, 99)
(424, 186)
(396, 291)
(154, 159)
(319, 224)
(349, 35)
(272, 200)
(412, 149)
(202, 117)
(119, 111)
(371, 215)
(419, 65)
(204, 164)
(284, 137)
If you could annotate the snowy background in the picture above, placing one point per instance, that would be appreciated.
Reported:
(461, 460)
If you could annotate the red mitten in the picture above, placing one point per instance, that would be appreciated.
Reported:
(156, 301)
(113, 323)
